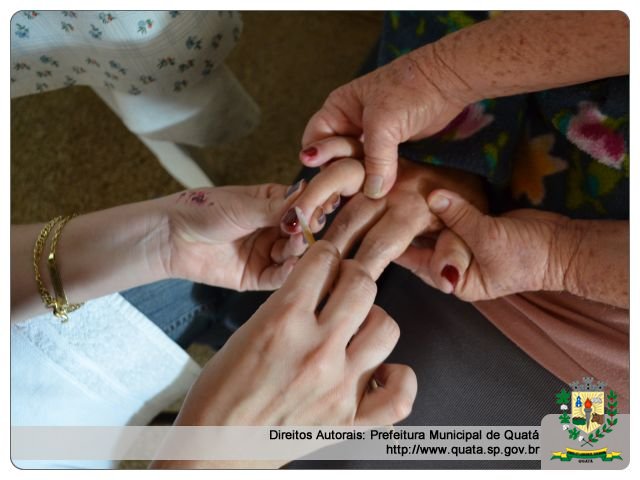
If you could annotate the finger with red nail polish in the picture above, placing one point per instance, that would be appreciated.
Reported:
(309, 154)
(289, 222)
(341, 178)
(451, 274)
(442, 264)
(329, 149)
(450, 260)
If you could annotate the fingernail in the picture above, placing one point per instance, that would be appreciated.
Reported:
(293, 188)
(373, 186)
(451, 274)
(336, 203)
(290, 221)
(310, 152)
(439, 203)
(321, 217)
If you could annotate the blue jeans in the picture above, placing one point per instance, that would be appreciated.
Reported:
(183, 310)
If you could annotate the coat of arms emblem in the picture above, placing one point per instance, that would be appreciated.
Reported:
(588, 413)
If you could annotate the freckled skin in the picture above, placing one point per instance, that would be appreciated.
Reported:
(600, 246)
(531, 51)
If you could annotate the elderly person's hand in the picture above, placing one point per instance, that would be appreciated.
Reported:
(385, 227)
(420, 93)
(229, 236)
(408, 99)
(481, 257)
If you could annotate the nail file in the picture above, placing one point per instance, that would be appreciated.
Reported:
(306, 231)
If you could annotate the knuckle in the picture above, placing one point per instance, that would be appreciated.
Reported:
(462, 216)
(319, 363)
(390, 329)
(359, 277)
(414, 202)
(336, 95)
(410, 208)
(381, 163)
(385, 335)
(326, 252)
(401, 406)
(272, 190)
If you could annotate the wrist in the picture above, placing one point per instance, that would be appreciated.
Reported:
(158, 232)
(113, 250)
(566, 237)
(438, 59)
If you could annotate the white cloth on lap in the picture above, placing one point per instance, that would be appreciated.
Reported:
(109, 365)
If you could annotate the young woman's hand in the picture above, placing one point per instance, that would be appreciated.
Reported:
(229, 236)
(307, 356)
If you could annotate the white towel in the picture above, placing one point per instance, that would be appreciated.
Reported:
(108, 365)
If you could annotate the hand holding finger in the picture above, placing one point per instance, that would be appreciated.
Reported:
(327, 149)
(354, 220)
(380, 153)
(339, 115)
(342, 178)
(450, 260)
(393, 233)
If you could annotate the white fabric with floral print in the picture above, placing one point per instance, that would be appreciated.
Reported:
(157, 69)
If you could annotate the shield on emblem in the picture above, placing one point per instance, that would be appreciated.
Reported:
(587, 410)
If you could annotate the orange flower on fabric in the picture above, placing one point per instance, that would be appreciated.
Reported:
(532, 165)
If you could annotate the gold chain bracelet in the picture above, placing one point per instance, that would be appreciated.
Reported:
(59, 303)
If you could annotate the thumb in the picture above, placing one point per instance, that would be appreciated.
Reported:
(265, 205)
(456, 213)
(380, 156)
(450, 261)
(418, 261)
